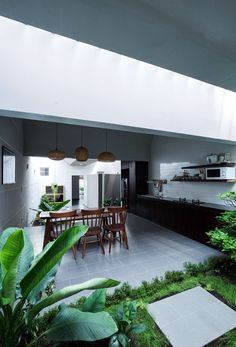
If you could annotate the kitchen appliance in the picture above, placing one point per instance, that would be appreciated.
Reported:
(220, 173)
(99, 187)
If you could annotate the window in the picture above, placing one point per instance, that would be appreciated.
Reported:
(8, 166)
(44, 171)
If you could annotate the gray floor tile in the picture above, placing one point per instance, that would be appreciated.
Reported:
(192, 318)
(153, 251)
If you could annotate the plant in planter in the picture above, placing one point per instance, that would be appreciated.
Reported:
(23, 279)
(124, 317)
(224, 237)
(47, 205)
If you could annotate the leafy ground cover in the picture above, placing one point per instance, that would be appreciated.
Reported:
(214, 275)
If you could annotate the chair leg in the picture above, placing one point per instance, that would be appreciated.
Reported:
(84, 247)
(78, 244)
(74, 251)
(119, 235)
(101, 243)
(125, 238)
(110, 240)
(98, 240)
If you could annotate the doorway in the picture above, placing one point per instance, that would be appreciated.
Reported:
(77, 191)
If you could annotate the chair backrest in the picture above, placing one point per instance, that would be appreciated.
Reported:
(117, 215)
(61, 221)
(92, 218)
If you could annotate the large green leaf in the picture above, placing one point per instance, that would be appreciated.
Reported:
(95, 302)
(51, 257)
(9, 257)
(72, 324)
(36, 294)
(95, 283)
(26, 255)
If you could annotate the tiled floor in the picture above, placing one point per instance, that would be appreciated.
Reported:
(192, 318)
(153, 251)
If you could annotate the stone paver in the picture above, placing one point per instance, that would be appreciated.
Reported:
(192, 318)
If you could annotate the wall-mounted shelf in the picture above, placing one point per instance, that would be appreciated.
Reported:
(205, 166)
(197, 181)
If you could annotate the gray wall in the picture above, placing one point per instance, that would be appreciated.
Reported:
(168, 155)
(13, 210)
(39, 138)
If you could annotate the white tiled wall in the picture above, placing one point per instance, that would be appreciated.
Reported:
(168, 155)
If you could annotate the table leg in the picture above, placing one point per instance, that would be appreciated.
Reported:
(46, 233)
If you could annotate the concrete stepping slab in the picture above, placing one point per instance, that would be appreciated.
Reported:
(192, 318)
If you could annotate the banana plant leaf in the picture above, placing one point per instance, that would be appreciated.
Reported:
(54, 206)
(26, 256)
(95, 283)
(51, 257)
(9, 257)
(95, 302)
(35, 295)
(71, 324)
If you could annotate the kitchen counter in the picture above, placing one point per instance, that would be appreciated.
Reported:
(220, 207)
(191, 220)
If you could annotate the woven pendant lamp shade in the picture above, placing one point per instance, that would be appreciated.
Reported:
(81, 153)
(56, 154)
(106, 156)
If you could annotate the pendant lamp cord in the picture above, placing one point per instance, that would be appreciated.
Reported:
(56, 136)
(106, 140)
(81, 131)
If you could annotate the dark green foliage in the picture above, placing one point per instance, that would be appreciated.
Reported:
(125, 317)
(224, 237)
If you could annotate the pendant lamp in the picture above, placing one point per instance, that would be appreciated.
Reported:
(106, 156)
(56, 154)
(81, 153)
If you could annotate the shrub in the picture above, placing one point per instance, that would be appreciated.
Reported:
(23, 280)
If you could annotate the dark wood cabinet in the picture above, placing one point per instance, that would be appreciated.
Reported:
(136, 173)
(190, 220)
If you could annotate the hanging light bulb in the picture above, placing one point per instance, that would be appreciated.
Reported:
(106, 156)
(56, 154)
(81, 153)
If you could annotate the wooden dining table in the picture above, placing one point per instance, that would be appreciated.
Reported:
(45, 215)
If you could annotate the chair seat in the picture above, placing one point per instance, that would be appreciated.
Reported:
(114, 227)
(93, 231)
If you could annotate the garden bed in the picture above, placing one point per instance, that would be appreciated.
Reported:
(216, 276)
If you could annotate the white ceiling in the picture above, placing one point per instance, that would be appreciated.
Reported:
(194, 37)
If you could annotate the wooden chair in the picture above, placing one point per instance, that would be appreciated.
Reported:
(92, 218)
(61, 221)
(115, 223)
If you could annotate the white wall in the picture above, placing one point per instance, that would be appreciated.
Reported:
(168, 155)
(49, 74)
(60, 172)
